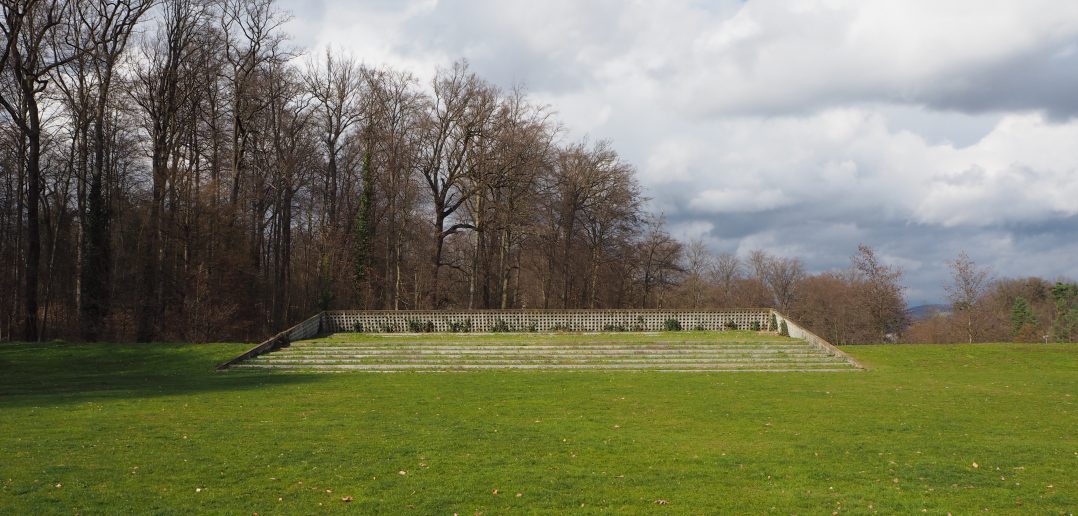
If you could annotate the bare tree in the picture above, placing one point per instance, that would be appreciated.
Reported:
(508, 165)
(393, 110)
(458, 115)
(780, 275)
(34, 47)
(728, 270)
(525, 150)
(103, 28)
(882, 296)
(969, 282)
(161, 92)
(336, 85)
(659, 257)
(759, 263)
(288, 156)
(253, 40)
(699, 265)
(591, 189)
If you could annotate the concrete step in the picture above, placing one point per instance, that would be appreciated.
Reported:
(453, 354)
(545, 349)
(544, 346)
(468, 366)
(550, 342)
(549, 352)
(541, 360)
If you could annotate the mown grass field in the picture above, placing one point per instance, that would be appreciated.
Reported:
(108, 429)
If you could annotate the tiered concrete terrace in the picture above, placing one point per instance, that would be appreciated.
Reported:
(709, 349)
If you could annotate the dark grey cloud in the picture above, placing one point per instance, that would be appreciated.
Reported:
(1043, 79)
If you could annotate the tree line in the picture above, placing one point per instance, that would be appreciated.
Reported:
(988, 309)
(173, 170)
(177, 169)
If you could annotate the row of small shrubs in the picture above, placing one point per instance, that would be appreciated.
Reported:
(460, 326)
(675, 325)
(412, 326)
(417, 326)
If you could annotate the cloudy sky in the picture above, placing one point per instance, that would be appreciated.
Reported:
(921, 128)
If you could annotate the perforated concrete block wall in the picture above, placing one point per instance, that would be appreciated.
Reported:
(538, 320)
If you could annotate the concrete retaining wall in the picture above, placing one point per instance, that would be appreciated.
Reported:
(798, 332)
(538, 320)
(304, 330)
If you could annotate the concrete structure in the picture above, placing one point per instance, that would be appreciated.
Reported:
(532, 321)
(524, 321)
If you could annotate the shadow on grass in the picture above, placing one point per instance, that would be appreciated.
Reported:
(56, 373)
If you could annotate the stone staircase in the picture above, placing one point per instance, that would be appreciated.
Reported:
(658, 354)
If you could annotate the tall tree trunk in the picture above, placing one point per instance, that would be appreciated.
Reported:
(566, 251)
(284, 276)
(397, 275)
(33, 229)
(503, 260)
(147, 325)
(474, 277)
(364, 230)
(436, 257)
(94, 272)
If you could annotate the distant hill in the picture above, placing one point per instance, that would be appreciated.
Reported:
(922, 312)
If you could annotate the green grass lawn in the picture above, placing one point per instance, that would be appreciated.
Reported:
(112, 429)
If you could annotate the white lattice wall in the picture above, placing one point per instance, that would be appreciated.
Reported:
(538, 320)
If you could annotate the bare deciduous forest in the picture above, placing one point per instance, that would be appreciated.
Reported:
(179, 170)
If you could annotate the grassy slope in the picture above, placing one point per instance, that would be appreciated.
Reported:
(146, 427)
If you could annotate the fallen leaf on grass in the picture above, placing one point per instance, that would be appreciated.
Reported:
(346, 498)
(975, 465)
(494, 492)
(402, 472)
(660, 501)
